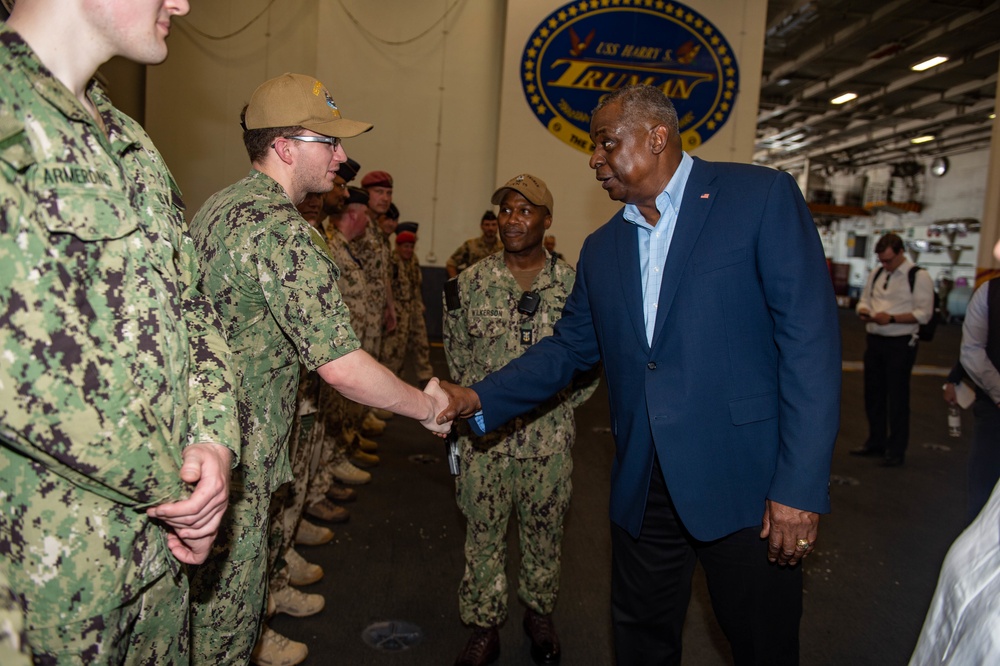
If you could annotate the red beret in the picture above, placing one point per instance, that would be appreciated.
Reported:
(406, 237)
(377, 179)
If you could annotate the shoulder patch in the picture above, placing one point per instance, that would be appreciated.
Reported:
(451, 296)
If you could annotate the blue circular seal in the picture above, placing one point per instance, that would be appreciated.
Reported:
(588, 48)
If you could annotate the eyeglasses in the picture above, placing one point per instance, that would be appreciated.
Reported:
(331, 141)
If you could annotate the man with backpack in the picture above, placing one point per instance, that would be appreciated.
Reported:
(897, 300)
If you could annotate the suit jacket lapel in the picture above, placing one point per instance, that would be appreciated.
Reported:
(627, 245)
(699, 195)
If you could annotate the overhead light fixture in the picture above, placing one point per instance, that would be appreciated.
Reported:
(846, 97)
(992, 116)
(930, 62)
(922, 139)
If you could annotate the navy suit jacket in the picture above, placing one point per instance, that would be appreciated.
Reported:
(739, 393)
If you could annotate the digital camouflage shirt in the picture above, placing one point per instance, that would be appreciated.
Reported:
(487, 331)
(112, 361)
(275, 289)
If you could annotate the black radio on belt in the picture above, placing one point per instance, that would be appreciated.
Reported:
(528, 304)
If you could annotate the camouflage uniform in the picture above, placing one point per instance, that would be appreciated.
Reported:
(275, 290)
(410, 334)
(372, 250)
(472, 251)
(342, 417)
(289, 501)
(113, 362)
(13, 641)
(525, 464)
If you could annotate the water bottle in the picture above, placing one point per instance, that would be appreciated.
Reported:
(954, 421)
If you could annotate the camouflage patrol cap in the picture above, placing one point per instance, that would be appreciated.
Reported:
(297, 100)
(534, 190)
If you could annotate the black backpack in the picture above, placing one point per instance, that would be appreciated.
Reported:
(926, 332)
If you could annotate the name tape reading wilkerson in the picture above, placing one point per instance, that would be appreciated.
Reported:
(588, 48)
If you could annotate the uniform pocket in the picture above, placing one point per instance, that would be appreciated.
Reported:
(486, 323)
(90, 214)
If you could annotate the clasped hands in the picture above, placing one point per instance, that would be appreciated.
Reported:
(193, 523)
(449, 402)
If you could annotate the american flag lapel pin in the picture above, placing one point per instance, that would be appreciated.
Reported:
(705, 195)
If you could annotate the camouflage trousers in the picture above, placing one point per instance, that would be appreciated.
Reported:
(151, 629)
(490, 486)
(289, 501)
(229, 591)
(373, 326)
(341, 420)
(408, 341)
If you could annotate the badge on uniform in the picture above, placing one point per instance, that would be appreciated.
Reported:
(526, 333)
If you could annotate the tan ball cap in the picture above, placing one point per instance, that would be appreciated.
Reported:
(534, 190)
(292, 100)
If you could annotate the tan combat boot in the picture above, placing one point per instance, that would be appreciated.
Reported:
(367, 445)
(273, 649)
(328, 511)
(308, 534)
(296, 603)
(348, 474)
(372, 425)
(301, 572)
(362, 459)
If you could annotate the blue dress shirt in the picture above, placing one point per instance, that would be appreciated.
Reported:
(654, 242)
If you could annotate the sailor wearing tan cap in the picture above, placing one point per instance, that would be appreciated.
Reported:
(275, 289)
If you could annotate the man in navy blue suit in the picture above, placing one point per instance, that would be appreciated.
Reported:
(708, 300)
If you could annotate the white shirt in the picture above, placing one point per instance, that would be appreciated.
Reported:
(892, 295)
(962, 627)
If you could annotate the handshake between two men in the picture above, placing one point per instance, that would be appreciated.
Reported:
(451, 402)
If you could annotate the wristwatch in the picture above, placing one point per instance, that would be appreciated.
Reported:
(892, 319)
